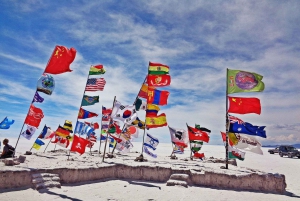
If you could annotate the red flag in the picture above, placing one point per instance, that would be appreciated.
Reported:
(157, 97)
(143, 93)
(116, 138)
(79, 144)
(93, 125)
(62, 132)
(195, 134)
(241, 105)
(180, 144)
(60, 60)
(63, 142)
(198, 155)
(224, 138)
(83, 114)
(158, 80)
(34, 116)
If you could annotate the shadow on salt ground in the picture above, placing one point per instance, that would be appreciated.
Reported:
(290, 194)
(143, 184)
(60, 195)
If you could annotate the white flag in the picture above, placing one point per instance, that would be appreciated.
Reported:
(151, 141)
(28, 132)
(126, 114)
(248, 143)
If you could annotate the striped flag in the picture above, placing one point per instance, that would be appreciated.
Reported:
(95, 84)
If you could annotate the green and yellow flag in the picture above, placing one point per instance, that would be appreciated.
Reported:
(97, 70)
(243, 81)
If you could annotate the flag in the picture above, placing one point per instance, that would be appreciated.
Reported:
(149, 153)
(158, 80)
(82, 128)
(28, 133)
(6, 123)
(102, 137)
(235, 153)
(37, 144)
(151, 142)
(114, 128)
(37, 98)
(112, 142)
(68, 126)
(132, 131)
(84, 114)
(158, 69)
(138, 123)
(178, 149)
(46, 84)
(89, 100)
(198, 155)
(34, 116)
(60, 60)
(156, 121)
(241, 105)
(63, 142)
(62, 132)
(178, 135)
(233, 119)
(152, 110)
(243, 81)
(143, 93)
(97, 70)
(117, 139)
(157, 97)
(95, 84)
(106, 114)
(46, 133)
(248, 128)
(79, 144)
(140, 104)
(126, 114)
(195, 134)
(245, 142)
(125, 145)
(92, 137)
(93, 125)
(196, 145)
(197, 126)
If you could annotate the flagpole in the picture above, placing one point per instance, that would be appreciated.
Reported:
(227, 122)
(190, 143)
(107, 131)
(48, 144)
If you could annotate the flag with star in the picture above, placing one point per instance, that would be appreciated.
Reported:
(151, 141)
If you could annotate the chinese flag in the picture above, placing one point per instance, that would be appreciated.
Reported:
(34, 116)
(195, 134)
(60, 60)
(79, 144)
(241, 105)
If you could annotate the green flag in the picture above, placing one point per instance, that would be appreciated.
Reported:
(196, 145)
(243, 81)
(89, 100)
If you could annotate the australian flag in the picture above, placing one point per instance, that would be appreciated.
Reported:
(247, 128)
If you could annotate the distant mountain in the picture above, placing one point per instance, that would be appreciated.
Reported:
(295, 145)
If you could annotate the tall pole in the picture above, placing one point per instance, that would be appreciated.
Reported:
(107, 132)
(48, 144)
(190, 143)
(227, 122)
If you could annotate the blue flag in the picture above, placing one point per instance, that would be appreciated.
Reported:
(151, 142)
(247, 128)
(6, 123)
(37, 98)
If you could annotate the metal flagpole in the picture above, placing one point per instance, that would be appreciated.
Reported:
(107, 131)
(48, 143)
(190, 143)
(227, 122)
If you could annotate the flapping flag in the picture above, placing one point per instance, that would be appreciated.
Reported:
(46, 84)
(62, 132)
(97, 70)
(63, 142)
(247, 128)
(196, 145)
(143, 93)
(157, 97)
(79, 144)
(140, 104)
(37, 98)
(235, 153)
(82, 128)
(126, 114)
(46, 133)
(93, 125)
(125, 145)
(195, 134)
(132, 131)
(95, 84)
(102, 137)
(28, 133)
(112, 142)
(177, 149)
(149, 153)
(84, 114)
(178, 136)
(198, 155)
(243, 81)
(151, 142)
(152, 110)
(159, 80)
(138, 123)
(68, 126)
(34, 116)
(37, 144)
(158, 69)
(241, 105)
(60, 60)
(156, 121)
(6, 123)
(89, 100)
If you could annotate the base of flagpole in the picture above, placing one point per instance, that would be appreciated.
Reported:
(173, 156)
(110, 155)
(140, 159)
(28, 153)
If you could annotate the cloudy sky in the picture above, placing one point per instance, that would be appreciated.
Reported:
(198, 40)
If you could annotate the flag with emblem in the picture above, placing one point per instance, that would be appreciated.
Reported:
(84, 114)
(158, 80)
(126, 114)
(195, 134)
(179, 136)
(157, 69)
(240, 105)
(146, 150)
(151, 141)
(143, 93)
(97, 70)
(46, 84)
(79, 144)
(28, 133)
(156, 121)
(60, 60)
(95, 84)
(6, 123)
(157, 97)
(34, 116)
(89, 100)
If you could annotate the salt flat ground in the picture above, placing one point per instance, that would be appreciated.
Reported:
(144, 190)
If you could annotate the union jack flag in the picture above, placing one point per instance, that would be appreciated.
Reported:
(234, 119)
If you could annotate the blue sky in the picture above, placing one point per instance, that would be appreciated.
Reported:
(199, 40)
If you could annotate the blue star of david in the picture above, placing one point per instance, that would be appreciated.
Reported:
(152, 142)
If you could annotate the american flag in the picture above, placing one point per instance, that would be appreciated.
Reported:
(234, 119)
(95, 84)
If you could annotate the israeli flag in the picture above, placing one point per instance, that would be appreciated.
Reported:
(151, 141)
